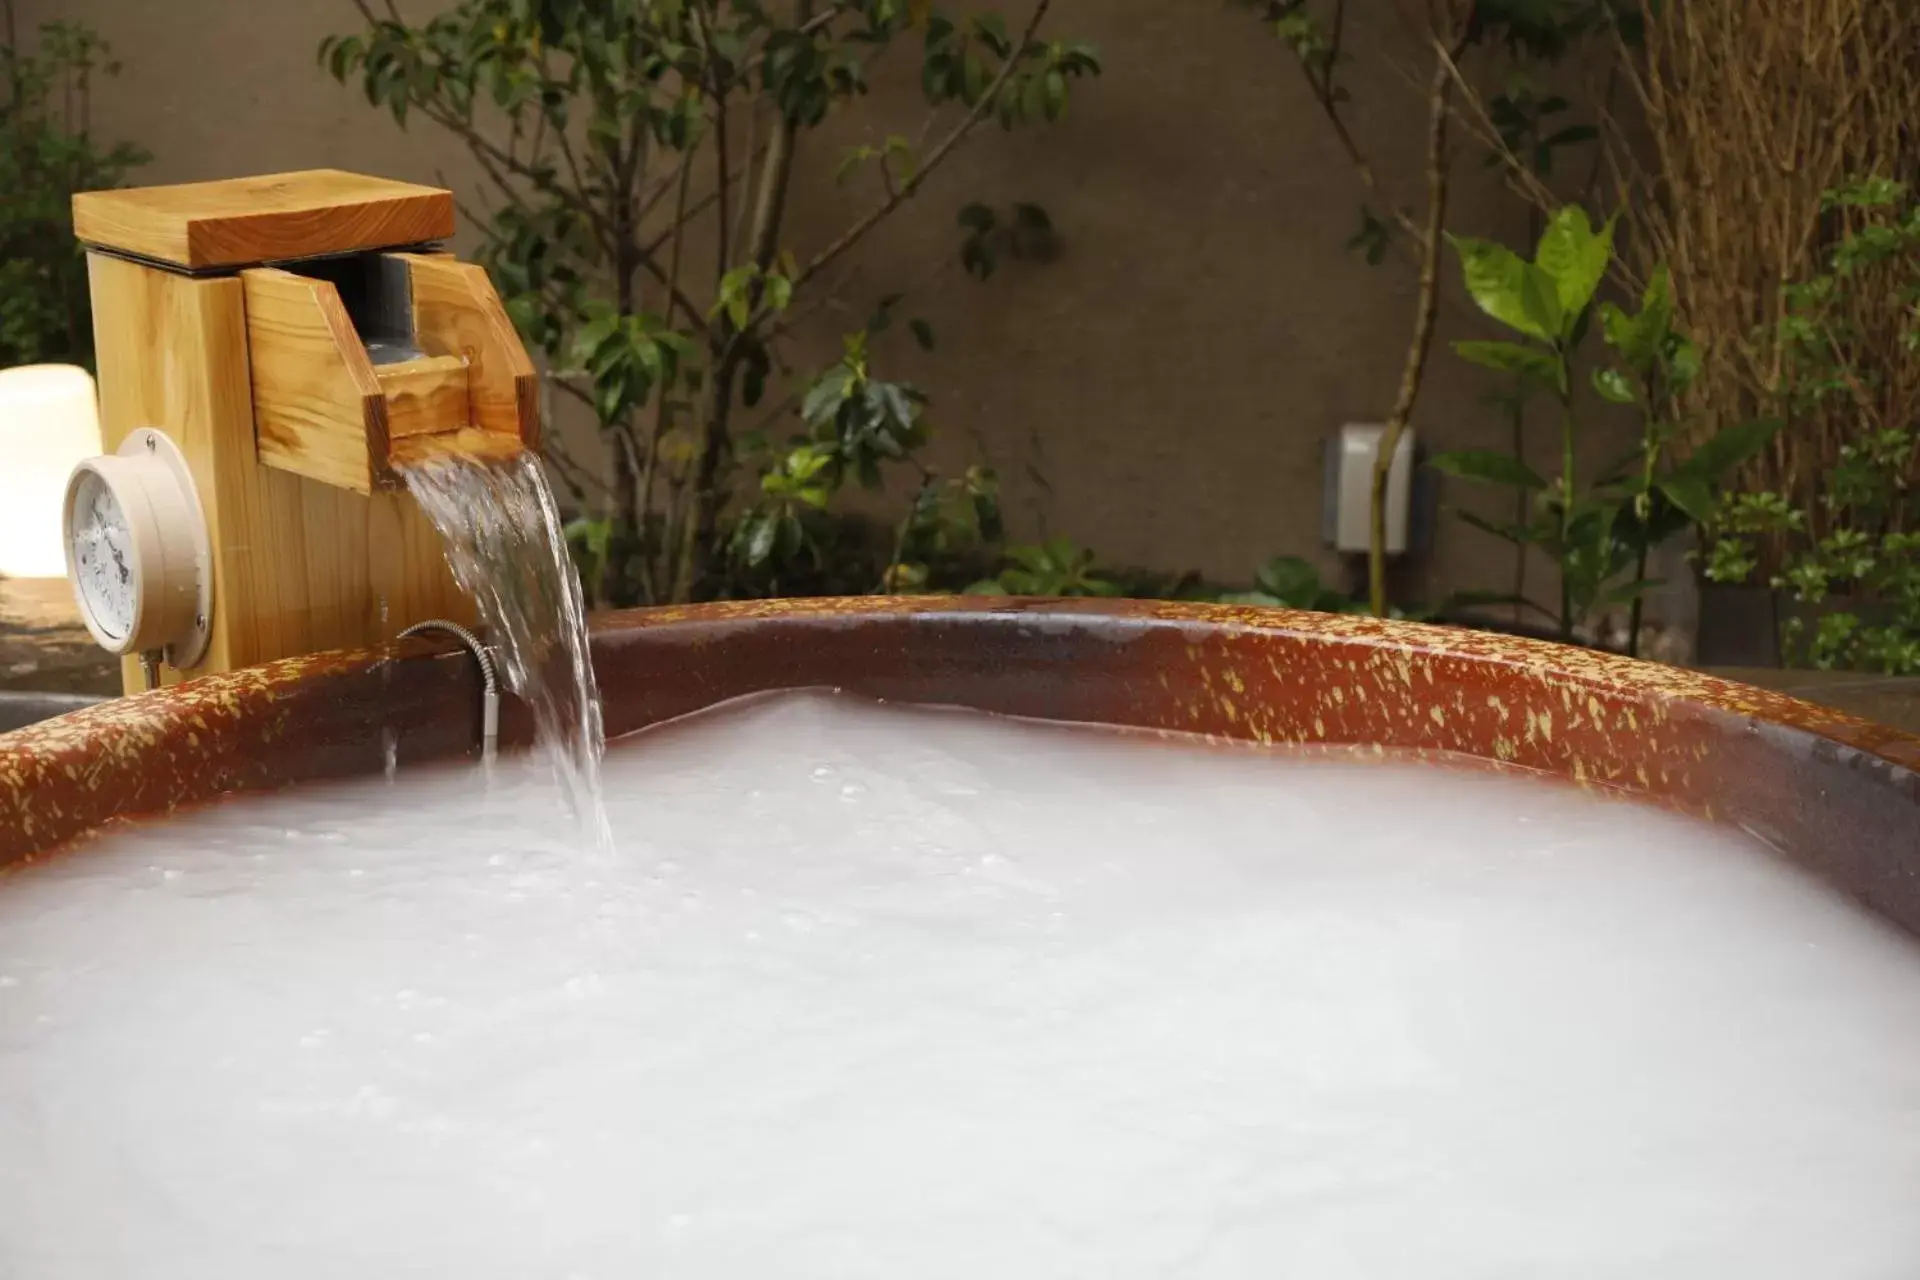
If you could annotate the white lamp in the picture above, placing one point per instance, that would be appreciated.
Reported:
(49, 420)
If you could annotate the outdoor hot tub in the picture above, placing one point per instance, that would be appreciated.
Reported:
(1361, 949)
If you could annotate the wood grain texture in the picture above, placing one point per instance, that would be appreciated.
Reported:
(299, 566)
(271, 218)
(424, 397)
(469, 442)
(318, 408)
(457, 312)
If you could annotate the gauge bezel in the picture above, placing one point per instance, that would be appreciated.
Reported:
(168, 555)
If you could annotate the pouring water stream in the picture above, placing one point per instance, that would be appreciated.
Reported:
(507, 549)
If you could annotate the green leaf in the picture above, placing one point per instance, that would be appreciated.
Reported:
(1572, 135)
(610, 401)
(894, 399)
(993, 29)
(779, 292)
(1643, 340)
(922, 333)
(823, 401)
(1489, 466)
(1728, 449)
(1495, 278)
(1691, 494)
(1613, 385)
(1574, 256)
(586, 343)
(593, 535)
(977, 258)
(1372, 239)
(1656, 303)
(1683, 364)
(735, 300)
(760, 541)
(978, 218)
(1032, 218)
(1511, 357)
(1289, 579)
(1620, 330)
(1540, 300)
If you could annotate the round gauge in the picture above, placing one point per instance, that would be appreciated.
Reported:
(102, 548)
(137, 551)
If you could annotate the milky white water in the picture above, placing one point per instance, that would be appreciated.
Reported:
(902, 995)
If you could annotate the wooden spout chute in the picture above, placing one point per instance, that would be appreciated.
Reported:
(456, 312)
(324, 410)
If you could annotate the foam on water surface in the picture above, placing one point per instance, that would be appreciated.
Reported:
(876, 993)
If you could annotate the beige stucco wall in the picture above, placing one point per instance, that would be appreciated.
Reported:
(1172, 375)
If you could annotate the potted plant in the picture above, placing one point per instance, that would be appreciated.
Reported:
(1601, 530)
(1825, 574)
(1847, 598)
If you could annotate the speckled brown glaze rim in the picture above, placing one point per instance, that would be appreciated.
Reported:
(1836, 793)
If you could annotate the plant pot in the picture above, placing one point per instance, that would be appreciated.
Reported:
(1739, 626)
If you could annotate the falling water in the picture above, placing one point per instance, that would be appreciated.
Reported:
(505, 545)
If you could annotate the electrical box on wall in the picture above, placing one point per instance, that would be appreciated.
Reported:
(1348, 503)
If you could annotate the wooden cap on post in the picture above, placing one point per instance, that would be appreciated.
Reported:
(276, 217)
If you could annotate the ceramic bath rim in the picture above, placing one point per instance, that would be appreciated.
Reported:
(1836, 794)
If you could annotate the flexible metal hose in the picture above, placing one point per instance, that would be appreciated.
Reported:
(489, 681)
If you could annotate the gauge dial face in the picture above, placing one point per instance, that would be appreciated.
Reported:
(103, 557)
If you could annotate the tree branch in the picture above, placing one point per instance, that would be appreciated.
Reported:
(809, 25)
(649, 583)
(698, 206)
(1326, 96)
(754, 151)
(711, 82)
(1439, 111)
(873, 217)
(927, 479)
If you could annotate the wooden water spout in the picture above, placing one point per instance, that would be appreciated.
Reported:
(433, 357)
(297, 335)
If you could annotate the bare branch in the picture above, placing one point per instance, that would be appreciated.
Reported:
(1326, 95)
(710, 81)
(927, 481)
(1439, 111)
(689, 309)
(873, 218)
(661, 418)
(829, 297)
(754, 149)
(809, 26)
(700, 204)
